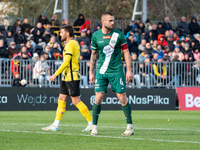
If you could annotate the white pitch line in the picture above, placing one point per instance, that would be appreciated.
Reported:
(112, 137)
(167, 129)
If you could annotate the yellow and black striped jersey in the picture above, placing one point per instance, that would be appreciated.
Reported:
(71, 58)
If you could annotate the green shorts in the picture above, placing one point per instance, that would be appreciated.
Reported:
(117, 82)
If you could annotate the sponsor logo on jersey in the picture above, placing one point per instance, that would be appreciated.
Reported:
(100, 41)
(106, 37)
(108, 50)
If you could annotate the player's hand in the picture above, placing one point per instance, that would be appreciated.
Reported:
(91, 77)
(53, 77)
(129, 76)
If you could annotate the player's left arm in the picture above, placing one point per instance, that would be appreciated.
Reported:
(129, 74)
(125, 50)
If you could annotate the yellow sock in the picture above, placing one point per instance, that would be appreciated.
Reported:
(84, 111)
(60, 109)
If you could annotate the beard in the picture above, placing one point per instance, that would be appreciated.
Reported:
(63, 39)
(109, 28)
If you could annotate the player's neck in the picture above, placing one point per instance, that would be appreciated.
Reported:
(105, 31)
(68, 39)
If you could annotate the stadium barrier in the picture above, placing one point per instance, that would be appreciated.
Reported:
(46, 99)
(189, 98)
(145, 75)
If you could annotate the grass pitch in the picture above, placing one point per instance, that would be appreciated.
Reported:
(156, 130)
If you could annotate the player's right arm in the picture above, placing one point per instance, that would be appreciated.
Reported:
(61, 68)
(93, 59)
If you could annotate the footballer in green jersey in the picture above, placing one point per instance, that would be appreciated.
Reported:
(109, 43)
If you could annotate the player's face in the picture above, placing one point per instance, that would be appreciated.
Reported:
(109, 22)
(63, 35)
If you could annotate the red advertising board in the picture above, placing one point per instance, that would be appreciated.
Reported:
(189, 98)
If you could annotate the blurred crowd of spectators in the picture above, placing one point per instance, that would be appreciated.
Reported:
(150, 46)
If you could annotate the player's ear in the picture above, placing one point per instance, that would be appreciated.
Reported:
(67, 33)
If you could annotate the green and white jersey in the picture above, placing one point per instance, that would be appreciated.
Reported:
(109, 47)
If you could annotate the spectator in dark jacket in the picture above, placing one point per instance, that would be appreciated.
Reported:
(3, 51)
(141, 28)
(29, 48)
(80, 20)
(38, 27)
(196, 40)
(170, 43)
(39, 39)
(182, 27)
(166, 24)
(149, 49)
(194, 26)
(25, 25)
(15, 25)
(19, 37)
(192, 44)
(149, 36)
(160, 28)
(154, 31)
(182, 47)
(129, 27)
(16, 81)
(47, 33)
(138, 21)
(132, 44)
(98, 26)
(85, 54)
(2, 36)
(9, 39)
(188, 51)
(84, 38)
(43, 19)
(89, 34)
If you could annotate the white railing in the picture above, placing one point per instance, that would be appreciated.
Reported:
(151, 75)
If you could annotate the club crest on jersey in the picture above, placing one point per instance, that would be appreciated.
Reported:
(106, 37)
(112, 41)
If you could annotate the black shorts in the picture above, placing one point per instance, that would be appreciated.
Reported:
(70, 88)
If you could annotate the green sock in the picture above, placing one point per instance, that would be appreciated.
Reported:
(127, 112)
(95, 112)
